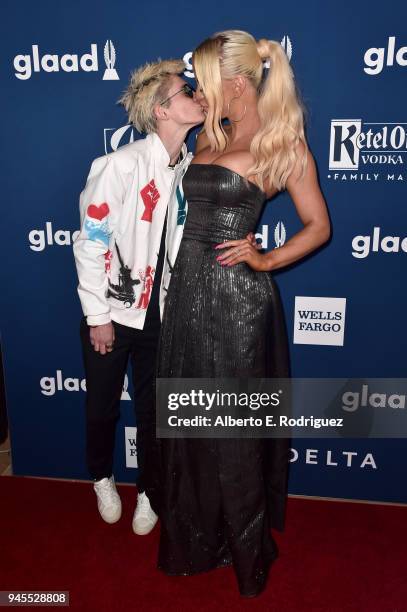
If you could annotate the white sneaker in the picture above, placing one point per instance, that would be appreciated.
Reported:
(109, 503)
(144, 517)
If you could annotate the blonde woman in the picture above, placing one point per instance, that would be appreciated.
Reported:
(223, 315)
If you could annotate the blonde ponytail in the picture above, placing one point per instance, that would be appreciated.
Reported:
(281, 120)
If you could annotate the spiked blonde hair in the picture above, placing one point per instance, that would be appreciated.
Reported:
(234, 52)
(148, 85)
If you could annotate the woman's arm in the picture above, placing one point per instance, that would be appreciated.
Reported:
(311, 209)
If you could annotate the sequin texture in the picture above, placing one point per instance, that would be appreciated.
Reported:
(218, 498)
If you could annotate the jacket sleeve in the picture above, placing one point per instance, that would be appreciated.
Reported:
(100, 205)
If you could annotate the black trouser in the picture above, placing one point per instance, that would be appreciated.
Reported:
(104, 383)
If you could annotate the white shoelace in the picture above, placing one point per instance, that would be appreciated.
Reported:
(143, 506)
(108, 493)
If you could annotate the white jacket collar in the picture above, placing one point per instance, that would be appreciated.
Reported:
(160, 151)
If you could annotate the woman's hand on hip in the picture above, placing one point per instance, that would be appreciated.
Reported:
(238, 251)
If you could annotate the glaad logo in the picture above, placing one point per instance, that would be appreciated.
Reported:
(115, 138)
(319, 320)
(51, 384)
(363, 245)
(344, 459)
(351, 400)
(130, 436)
(279, 235)
(287, 46)
(24, 65)
(353, 145)
(374, 57)
(285, 43)
(110, 60)
(39, 239)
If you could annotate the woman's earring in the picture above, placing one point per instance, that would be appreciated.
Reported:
(244, 112)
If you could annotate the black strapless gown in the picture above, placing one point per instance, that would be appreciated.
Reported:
(218, 498)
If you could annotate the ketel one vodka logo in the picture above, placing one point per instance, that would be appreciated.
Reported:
(36, 61)
(354, 144)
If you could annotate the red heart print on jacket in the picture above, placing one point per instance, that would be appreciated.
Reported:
(98, 212)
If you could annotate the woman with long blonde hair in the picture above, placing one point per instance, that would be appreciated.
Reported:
(219, 498)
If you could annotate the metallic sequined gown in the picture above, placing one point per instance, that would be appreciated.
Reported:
(218, 498)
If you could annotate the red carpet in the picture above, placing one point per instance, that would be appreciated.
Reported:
(334, 556)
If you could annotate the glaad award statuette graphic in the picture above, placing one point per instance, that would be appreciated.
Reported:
(110, 60)
(279, 234)
(288, 48)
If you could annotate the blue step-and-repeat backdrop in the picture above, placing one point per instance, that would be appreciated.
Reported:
(64, 66)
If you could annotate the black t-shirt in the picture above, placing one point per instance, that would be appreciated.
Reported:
(153, 309)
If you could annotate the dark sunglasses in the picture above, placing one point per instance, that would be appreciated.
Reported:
(186, 89)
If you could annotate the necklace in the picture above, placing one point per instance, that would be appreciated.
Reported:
(177, 162)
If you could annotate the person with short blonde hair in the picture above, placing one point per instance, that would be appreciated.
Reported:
(130, 227)
(148, 86)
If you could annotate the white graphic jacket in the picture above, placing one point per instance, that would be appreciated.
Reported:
(122, 210)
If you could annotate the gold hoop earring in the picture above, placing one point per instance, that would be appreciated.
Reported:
(244, 112)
